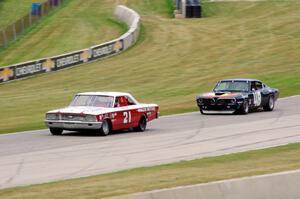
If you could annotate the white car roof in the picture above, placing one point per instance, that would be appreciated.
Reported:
(113, 94)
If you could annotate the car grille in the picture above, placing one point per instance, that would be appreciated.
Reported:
(225, 101)
(72, 117)
(221, 102)
(208, 101)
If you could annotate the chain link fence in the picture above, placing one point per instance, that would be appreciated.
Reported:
(12, 31)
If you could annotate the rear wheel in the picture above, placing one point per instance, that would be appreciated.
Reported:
(105, 128)
(55, 131)
(270, 105)
(142, 124)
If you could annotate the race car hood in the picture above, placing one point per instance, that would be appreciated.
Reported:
(221, 95)
(82, 110)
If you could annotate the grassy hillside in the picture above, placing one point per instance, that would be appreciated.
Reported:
(12, 10)
(78, 24)
(182, 173)
(174, 60)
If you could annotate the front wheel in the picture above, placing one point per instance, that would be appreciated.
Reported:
(245, 108)
(105, 128)
(142, 125)
(55, 131)
(201, 111)
(270, 105)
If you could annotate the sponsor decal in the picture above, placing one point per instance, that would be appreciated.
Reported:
(146, 109)
(71, 59)
(113, 115)
(118, 46)
(225, 95)
(257, 98)
(6, 74)
(28, 69)
(68, 60)
(48, 65)
(85, 55)
(208, 94)
(106, 49)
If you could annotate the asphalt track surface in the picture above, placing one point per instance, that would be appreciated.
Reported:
(38, 157)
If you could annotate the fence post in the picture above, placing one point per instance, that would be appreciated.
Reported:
(42, 10)
(14, 31)
(4, 38)
(30, 19)
(23, 26)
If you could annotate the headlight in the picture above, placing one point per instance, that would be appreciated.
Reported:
(91, 118)
(52, 116)
(240, 101)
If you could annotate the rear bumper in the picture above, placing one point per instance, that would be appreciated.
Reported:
(72, 125)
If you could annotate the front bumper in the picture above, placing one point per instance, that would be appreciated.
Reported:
(218, 112)
(219, 109)
(72, 125)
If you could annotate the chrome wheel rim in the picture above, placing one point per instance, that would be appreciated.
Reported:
(105, 128)
(246, 109)
(143, 124)
(271, 103)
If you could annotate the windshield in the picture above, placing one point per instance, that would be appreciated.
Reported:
(93, 100)
(232, 86)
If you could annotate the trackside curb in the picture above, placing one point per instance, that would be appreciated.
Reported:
(275, 186)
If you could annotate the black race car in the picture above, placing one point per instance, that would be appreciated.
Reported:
(238, 95)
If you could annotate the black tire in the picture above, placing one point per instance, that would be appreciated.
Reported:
(142, 125)
(245, 108)
(56, 131)
(201, 111)
(270, 104)
(105, 128)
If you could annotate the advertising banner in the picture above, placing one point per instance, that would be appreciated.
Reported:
(70, 59)
(55, 63)
(107, 49)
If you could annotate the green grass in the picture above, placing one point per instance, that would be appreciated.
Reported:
(182, 173)
(76, 25)
(174, 60)
(12, 10)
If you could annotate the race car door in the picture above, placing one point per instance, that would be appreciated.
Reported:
(125, 113)
(264, 93)
(256, 89)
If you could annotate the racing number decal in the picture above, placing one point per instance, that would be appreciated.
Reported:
(127, 117)
(257, 98)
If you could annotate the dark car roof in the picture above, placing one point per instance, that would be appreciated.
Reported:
(241, 79)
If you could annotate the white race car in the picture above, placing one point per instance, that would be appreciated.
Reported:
(103, 112)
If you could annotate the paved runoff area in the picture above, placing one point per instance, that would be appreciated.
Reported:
(38, 157)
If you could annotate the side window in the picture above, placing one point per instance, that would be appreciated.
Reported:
(130, 101)
(253, 86)
(116, 103)
(258, 85)
(121, 101)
